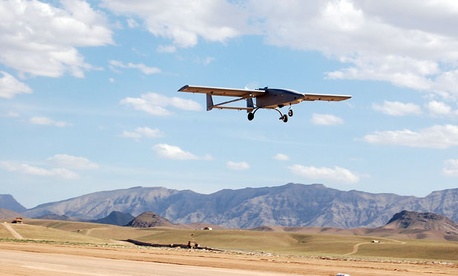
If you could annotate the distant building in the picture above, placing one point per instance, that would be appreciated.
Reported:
(17, 220)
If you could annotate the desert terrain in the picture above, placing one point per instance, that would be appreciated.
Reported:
(40, 247)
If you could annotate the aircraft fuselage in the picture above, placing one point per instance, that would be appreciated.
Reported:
(278, 98)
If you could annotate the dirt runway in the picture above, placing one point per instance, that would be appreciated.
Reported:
(57, 259)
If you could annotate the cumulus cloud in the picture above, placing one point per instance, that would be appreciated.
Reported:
(59, 165)
(166, 49)
(142, 132)
(41, 39)
(147, 70)
(423, 57)
(441, 109)
(238, 166)
(451, 167)
(397, 108)
(439, 136)
(38, 171)
(72, 162)
(174, 152)
(337, 174)
(11, 114)
(281, 157)
(326, 119)
(10, 86)
(155, 104)
(47, 122)
(208, 19)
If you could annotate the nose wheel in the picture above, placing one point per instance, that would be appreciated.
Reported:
(290, 112)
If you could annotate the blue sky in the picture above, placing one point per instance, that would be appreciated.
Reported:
(89, 101)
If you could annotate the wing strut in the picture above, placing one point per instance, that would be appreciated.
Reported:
(210, 104)
(249, 105)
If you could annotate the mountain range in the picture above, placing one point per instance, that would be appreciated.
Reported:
(8, 202)
(287, 205)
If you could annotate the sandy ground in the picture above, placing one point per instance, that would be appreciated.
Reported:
(53, 259)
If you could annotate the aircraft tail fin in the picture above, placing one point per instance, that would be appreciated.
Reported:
(210, 104)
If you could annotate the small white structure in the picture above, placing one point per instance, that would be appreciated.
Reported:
(342, 274)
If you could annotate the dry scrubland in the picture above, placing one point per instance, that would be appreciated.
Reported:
(258, 249)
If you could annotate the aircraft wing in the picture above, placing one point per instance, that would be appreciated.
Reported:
(325, 97)
(221, 91)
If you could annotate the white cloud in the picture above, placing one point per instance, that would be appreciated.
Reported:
(139, 66)
(47, 122)
(208, 19)
(281, 157)
(166, 49)
(441, 109)
(399, 70)
(41, 39)
(142, 132)
(132, 23)
(72, 162)
(423, 56)
(326, 119)
(11, 114)
(238, 166)
(337, 174)
(10, 86)
(397, 108)
(445, 84)
(451, 167)
(155, 104)
(206, 60)
(174, 152)
(439, 136)
(33, 170)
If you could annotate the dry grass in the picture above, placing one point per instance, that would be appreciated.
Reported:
(4, 233)
(277, 242)
(413, 249)
(34, 232)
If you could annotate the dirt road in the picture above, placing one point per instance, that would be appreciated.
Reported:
(13, 232)
(29, 263)
(58, 259)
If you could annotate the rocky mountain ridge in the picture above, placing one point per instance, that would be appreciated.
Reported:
(287, 205)
(149, 219)
(115, 218)
(423, 221)
(8, 202)
(405, 225)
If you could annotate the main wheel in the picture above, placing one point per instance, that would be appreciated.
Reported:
(250, 116)
(290, 113)
(284, 118)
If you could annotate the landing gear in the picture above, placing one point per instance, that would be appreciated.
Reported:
(251, 114)
(283, 117)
